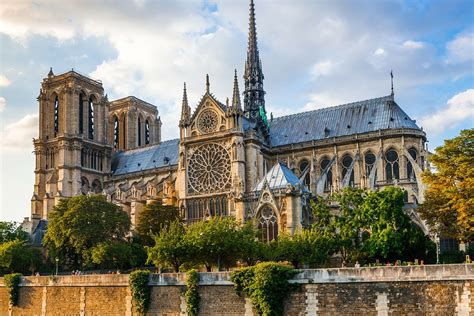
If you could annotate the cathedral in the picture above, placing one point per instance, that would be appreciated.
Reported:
(231, 159)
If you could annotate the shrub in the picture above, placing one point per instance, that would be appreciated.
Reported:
(140, 290)
(192, 294)
(266, 284)
(12, 282)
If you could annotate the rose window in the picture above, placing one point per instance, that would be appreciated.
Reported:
(209, 168)
(207, 122)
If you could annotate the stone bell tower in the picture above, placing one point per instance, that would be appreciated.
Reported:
(72, 151)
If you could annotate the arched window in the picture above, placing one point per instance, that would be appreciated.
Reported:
(147, 132)
(96, 186)
(304, 167)
(410, 170)
(267, 224)
(139, 131)
(346, 164)
(56, 116)
(91, 118)
(116, 133)
(369, 160)
(81, 113)
(392, 165)
(84, 185)
(328, 184)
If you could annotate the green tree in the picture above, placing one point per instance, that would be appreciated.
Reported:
(17, 256)
(215, 243)
(170, 247)
(152, 219)
(78, 224)
(10, 231)
(449, 199)
(113, 255)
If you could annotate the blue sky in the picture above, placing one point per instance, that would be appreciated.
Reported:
(314, 54)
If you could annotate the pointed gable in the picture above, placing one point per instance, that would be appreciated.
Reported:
(279, 177)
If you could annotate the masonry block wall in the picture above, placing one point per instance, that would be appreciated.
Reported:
(434, 290)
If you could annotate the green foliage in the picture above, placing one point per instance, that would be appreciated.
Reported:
(170, 247)
(112, 255)
(449, 200)
(152, 219)
(192, 292)
(78, 224)
(17, 255)
(370, 225)
(11, 231)
(12, 282)
(266, 284)
(138, 281)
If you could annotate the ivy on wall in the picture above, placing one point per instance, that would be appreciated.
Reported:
(138, 281)
(12, 282)
(266, 284)
(192, 295)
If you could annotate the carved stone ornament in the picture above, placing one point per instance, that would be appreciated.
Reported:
(208, 121)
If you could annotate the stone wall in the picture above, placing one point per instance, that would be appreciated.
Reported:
(415, 290)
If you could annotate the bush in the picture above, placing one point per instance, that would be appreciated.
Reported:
(138, 281)
(192, 293)
(266, 284)
(17, 256)
(12, 282)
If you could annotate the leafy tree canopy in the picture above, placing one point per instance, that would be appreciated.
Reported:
(78, 224)
(10, 231)
(449, 198)
(18, 256)
(152, 219)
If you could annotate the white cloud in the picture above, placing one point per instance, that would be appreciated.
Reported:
(458, 109)
(4, 81)
(413, 44)
(461, 49)
(379, 52)
(322, 68)
(18, 135)
(3, 104)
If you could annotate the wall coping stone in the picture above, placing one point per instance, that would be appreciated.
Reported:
(451, 272)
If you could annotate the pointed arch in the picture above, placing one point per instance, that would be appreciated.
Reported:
(392, 165)
(82, 96)
(410, 168)
(90, 116)
(147, 131)
(347, 166)
(267, 223)
(56, 114)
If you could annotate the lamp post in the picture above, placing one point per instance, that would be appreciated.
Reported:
(437, 248)
(57, 262)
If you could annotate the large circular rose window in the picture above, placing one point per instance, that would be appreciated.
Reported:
(207, 122)
(209, 168)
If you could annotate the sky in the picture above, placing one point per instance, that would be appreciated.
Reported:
(315, 53)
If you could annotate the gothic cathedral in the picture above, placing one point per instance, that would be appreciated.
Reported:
(230, 158)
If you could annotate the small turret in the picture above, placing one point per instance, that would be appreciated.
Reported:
(185, 109)
(236, 105)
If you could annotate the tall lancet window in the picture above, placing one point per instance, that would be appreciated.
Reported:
(56, 116)
(116, 133)
(346, 165)
(267, 224)
(139, 131)
(81, 113)
(391, 165)
(147, 132)
(410, 170)
(91, 118)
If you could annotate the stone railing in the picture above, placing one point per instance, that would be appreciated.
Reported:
(452, 272)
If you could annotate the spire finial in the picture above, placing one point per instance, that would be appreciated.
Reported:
(50, 73)
(185, 109)
(207, 83)
(236, 94)
(391, 77)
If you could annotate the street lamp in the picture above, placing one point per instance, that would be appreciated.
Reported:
(57, 262)
(437, 248)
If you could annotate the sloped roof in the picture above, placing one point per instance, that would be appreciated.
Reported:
(146, 158)
(278, 177)
(347, 119)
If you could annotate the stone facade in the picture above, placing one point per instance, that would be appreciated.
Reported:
(230, 159)
(421, 290)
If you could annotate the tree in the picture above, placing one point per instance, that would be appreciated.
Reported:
(10, 231)
(78, 224)
(118, 255)
(17, 256)
(152, 219)
(449, 199)
(215, 242)
(170, 247)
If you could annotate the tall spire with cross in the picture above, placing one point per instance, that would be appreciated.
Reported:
(185, 108)
(254, 95)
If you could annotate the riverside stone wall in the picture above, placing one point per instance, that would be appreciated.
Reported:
(415, 290)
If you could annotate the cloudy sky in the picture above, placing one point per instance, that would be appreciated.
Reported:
(314, 54)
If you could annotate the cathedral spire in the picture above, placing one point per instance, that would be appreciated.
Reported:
(236, 94)
(185, 109)
(207, 83)
(391, 78)
(254, 95)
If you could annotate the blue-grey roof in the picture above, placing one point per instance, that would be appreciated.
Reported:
(141, 159)
(353, 118)
(278, 177)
